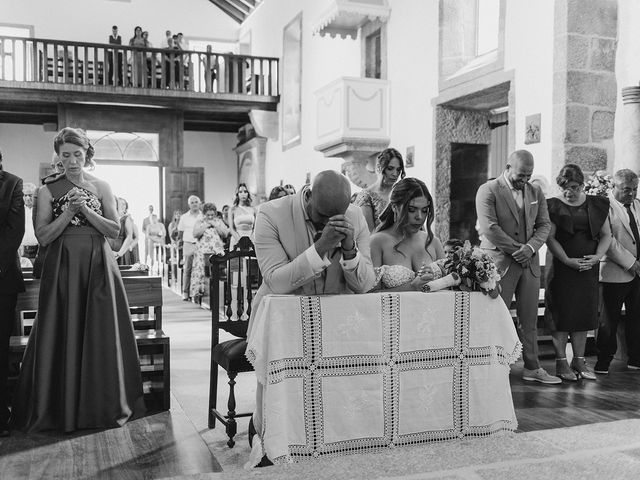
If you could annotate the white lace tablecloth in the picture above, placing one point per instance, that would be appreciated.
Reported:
(355, 373)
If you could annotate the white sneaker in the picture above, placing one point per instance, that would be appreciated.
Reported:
(539, 375)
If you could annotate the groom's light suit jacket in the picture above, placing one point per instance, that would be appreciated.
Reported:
(281, 241)
(500, 222)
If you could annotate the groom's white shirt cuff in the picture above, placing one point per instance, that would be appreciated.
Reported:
(319, 264)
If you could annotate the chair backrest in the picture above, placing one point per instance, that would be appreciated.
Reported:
(237, 275)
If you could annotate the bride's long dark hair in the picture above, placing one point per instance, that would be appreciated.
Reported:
(402, 193)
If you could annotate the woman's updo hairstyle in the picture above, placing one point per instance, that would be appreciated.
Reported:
(401, 195)
(385, 157)
(78, 137)
(570, 173)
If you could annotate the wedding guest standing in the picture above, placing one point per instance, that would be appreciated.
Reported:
(185, 235)
(80, 368)
(620, 273)
(579, 238)
(11, 282)
(514, 223)
(374, 199)
(114, 39)
(29, 241)
(125, 245)
(146, 221)
(242, 216)
(209, 233)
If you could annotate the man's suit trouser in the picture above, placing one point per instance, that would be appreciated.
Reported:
(7, 316)
(614, 295)
(188, 251)
(521, 282)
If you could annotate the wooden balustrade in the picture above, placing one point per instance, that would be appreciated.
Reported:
(107, 65)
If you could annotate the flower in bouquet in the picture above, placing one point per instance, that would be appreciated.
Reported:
(599, 184)
(476, 269)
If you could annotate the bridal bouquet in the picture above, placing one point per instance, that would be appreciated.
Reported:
(469, 268)
(599, 184)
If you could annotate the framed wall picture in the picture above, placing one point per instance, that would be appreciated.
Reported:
(532, 129)
(291, 77)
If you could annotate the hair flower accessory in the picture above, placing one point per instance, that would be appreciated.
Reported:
(599, 184)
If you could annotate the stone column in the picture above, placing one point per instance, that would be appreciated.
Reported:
(584, 89)
(627, 131)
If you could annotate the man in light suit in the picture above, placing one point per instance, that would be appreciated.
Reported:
(619, 273)
(11, 282)
(514, 224)
(311, 243)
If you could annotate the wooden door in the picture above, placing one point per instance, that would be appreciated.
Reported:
(179, 184)
(469, 166)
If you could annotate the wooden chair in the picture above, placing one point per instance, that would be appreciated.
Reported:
(235, 318)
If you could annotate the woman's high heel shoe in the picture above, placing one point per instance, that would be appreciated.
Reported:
(579, 365)
(564, 371)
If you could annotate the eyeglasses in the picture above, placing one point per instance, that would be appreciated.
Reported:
(30, 195)
(573, 188)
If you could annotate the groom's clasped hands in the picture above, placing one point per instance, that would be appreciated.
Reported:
(337, 230)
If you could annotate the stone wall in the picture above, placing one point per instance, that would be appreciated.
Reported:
(453, 126)
(584, 83)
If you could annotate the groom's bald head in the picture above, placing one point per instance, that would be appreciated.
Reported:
(330, 195)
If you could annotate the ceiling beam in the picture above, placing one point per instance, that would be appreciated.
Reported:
(233, 12)
(241, 6)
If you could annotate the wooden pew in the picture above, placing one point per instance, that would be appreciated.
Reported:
(143, 292)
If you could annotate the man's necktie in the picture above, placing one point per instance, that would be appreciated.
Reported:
(517, 196)
(634, 228)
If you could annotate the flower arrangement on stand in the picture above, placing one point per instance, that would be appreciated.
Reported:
(140, 267)
(470, 269)
(599, 184)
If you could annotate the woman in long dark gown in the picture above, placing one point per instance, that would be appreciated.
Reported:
(81, 368)
(579, 238)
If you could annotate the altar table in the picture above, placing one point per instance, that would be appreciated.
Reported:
(358, 373)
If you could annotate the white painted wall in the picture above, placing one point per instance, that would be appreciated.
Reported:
(529, 37)
(413, 81)
(213, 151)
(323, 60)
(24, 147)
(412, 74)
(91, 20)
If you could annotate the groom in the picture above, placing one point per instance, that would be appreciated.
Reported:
(311, 243)
(514, 223)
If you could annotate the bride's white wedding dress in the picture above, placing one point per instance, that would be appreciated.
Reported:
(394, 275)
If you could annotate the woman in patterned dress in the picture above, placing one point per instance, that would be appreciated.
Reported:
(80, 369)
(209, 232)
(402, 249)
(374, 199)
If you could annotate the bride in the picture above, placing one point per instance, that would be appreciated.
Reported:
(401, 249)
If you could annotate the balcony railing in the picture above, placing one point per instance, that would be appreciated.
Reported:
(47, 61)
